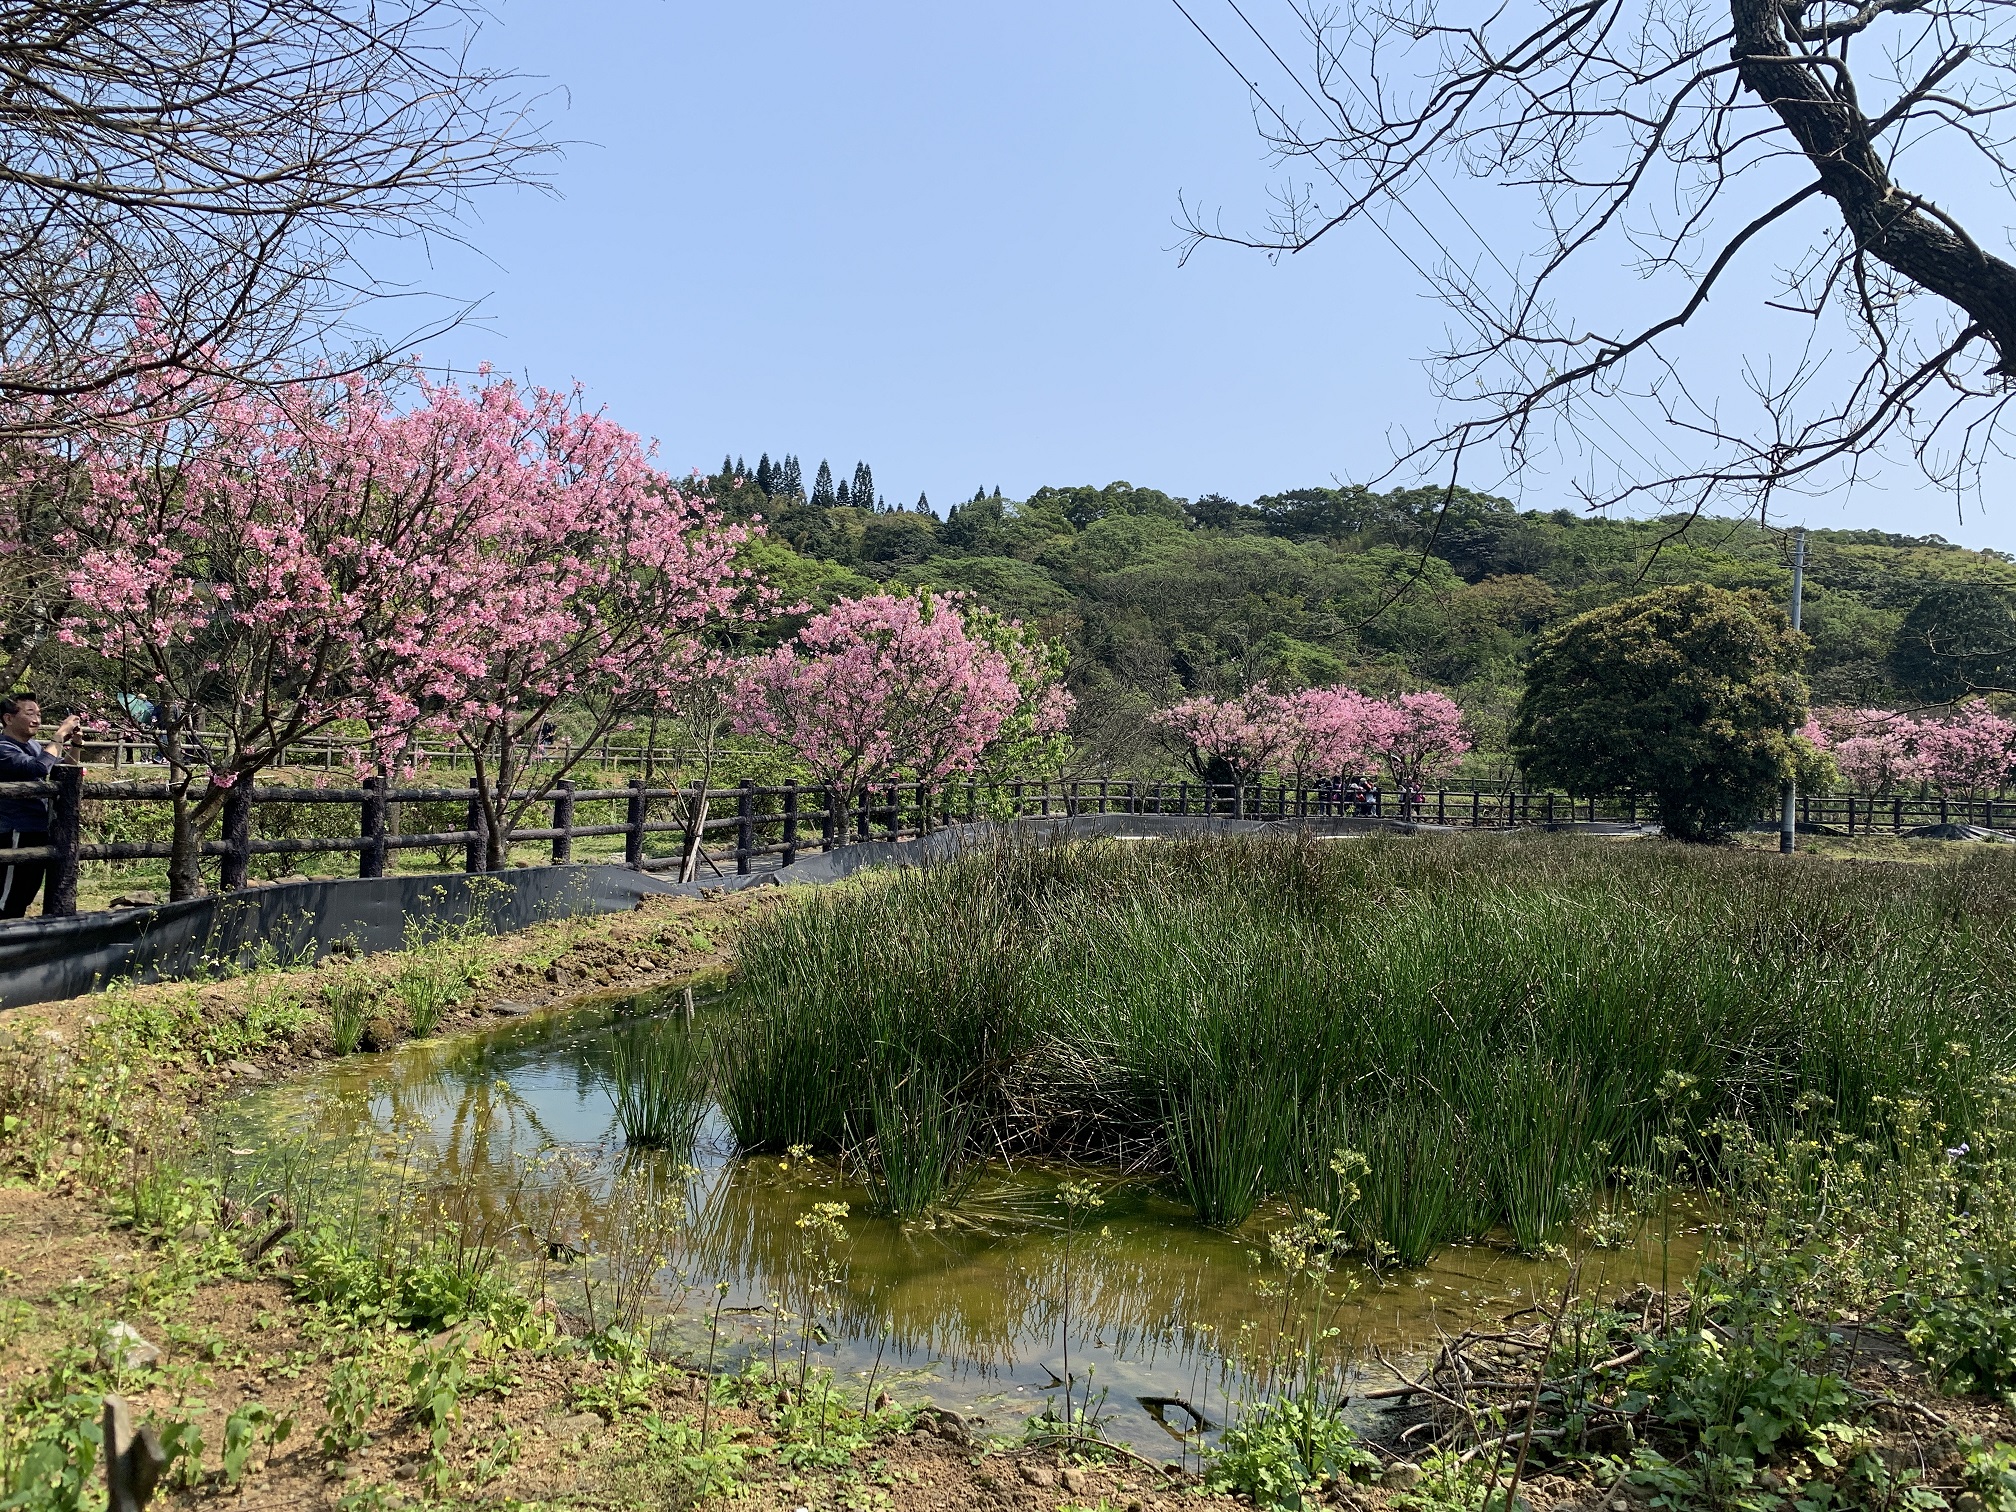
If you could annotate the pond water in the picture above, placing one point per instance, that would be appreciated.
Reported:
(514, 1131)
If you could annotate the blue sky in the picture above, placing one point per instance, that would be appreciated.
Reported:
(940, 238)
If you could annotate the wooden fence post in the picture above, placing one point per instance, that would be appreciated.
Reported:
(563, 821)
(745, 828)
(237, 859)
(371, 829)
(633, 833)
(829, 822)
(66, 834)
(790, 821)
(476, 852)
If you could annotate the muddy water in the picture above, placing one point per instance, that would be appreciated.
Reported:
(514, 1132)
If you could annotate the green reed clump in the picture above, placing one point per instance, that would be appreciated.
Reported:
(921, 1150)
(1491, 1020)
(658, 1083)
(348, 997)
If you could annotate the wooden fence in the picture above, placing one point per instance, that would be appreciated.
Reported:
(781, 822)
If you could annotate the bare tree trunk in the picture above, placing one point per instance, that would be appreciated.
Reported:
(185, 860)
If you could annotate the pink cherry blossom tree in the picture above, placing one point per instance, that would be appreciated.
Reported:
(1333, 733)
(273, 564)
(269, 565)
(1971, 752)
(1248, 734)
(1875, 750)
(1418, 736)
(610, 582)
(1320, 732)
(893, 687)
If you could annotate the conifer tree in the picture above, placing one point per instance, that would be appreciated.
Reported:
(923, 503)
(864, 486)
(823, 496)
(741, 468)
(846, 495)
(727, 466)
(793, 482)
(764, 477)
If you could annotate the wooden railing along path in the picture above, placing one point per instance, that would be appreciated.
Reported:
(775, 824)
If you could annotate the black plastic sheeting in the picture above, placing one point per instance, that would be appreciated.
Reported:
(44, 960)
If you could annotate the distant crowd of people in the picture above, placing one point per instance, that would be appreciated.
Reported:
(1357, 796)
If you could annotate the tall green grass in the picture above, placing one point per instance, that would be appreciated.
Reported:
(1497, 1024)
(658, 1083)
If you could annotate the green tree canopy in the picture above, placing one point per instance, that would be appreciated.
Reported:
(1958, 637)
(1688, 696)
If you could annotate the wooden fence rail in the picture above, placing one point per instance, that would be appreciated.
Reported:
(788, 820)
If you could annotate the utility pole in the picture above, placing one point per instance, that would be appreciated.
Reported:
(1788, 819)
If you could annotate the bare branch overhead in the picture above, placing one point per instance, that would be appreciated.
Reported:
(189, 183)
(1766, 158)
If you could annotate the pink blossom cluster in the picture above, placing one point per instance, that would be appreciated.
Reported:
(1972, 750)
(896, 686)
(1319, 733)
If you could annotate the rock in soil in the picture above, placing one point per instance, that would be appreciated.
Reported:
(124, 1348)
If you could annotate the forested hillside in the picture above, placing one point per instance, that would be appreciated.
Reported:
(1156, 594)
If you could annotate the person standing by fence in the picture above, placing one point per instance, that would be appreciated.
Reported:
(24, 822)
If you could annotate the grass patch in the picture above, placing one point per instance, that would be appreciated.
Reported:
(1502, 1025)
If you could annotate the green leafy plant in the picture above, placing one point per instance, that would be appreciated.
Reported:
(434, 1381)
(1990, 1473)
(350, 1399)
(244, 1431)
(702, 1466)
(1281, 1448)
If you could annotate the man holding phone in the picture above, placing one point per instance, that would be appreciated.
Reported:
(24, 822)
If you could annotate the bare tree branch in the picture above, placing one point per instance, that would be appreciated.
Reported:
(185, 185)
(1691, 141)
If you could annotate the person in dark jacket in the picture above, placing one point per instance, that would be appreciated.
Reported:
(25, 822)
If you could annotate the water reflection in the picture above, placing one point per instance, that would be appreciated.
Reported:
(515, 1131)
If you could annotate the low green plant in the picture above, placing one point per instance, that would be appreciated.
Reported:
(700, 1466)
(245, 1430)
(434, 1382)
(350, 1399)
(1746, 1379)
(425, 1286)
(1989, 1471)
(276, 1008)
(440, 964)
(47, 1461)
(1278, 1450)
(163, 1199)
(1968, 1334)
